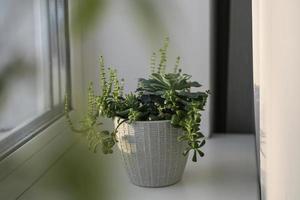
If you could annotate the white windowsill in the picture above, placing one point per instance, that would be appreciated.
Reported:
(227, 172)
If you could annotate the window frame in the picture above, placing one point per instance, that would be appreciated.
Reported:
(58, 66)
(26, 164)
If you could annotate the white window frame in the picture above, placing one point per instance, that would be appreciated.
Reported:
(54, 70)
(23, 167)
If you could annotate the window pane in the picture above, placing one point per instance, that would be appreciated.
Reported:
(33, 65)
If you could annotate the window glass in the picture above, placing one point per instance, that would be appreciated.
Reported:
(33, 67)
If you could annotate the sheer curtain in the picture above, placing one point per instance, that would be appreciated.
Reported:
(276, 42)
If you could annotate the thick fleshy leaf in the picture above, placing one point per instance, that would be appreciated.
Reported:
(202, 143)
(194, 159)
(200, 153)
(194, 84)
(186, 151)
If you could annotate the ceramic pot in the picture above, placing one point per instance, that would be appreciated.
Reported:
(151, 153)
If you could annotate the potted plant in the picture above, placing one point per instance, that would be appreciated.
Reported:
(156, 126)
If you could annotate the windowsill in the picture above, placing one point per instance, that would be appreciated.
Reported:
(228, 171)
(4, 134)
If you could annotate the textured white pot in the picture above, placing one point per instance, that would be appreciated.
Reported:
(151, 153)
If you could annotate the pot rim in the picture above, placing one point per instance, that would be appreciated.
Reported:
(144, 122)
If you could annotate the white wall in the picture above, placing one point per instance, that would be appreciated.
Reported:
(126, 40)
(276, 50)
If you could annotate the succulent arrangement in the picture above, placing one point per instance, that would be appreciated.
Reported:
(162, 96)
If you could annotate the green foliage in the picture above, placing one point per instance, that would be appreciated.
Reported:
(162, 96)
(173, 100)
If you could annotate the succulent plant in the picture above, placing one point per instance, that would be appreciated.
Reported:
(171, 94)
(161, 96)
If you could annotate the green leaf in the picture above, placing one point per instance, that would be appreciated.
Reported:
(194, 84)
(175, 120)
(200, 153)
(194, 159)
(200, 134)
(186, 151)
(202, 143)
(182, 138)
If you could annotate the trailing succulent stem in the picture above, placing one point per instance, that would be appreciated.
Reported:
(163, 57)
(162, 96)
